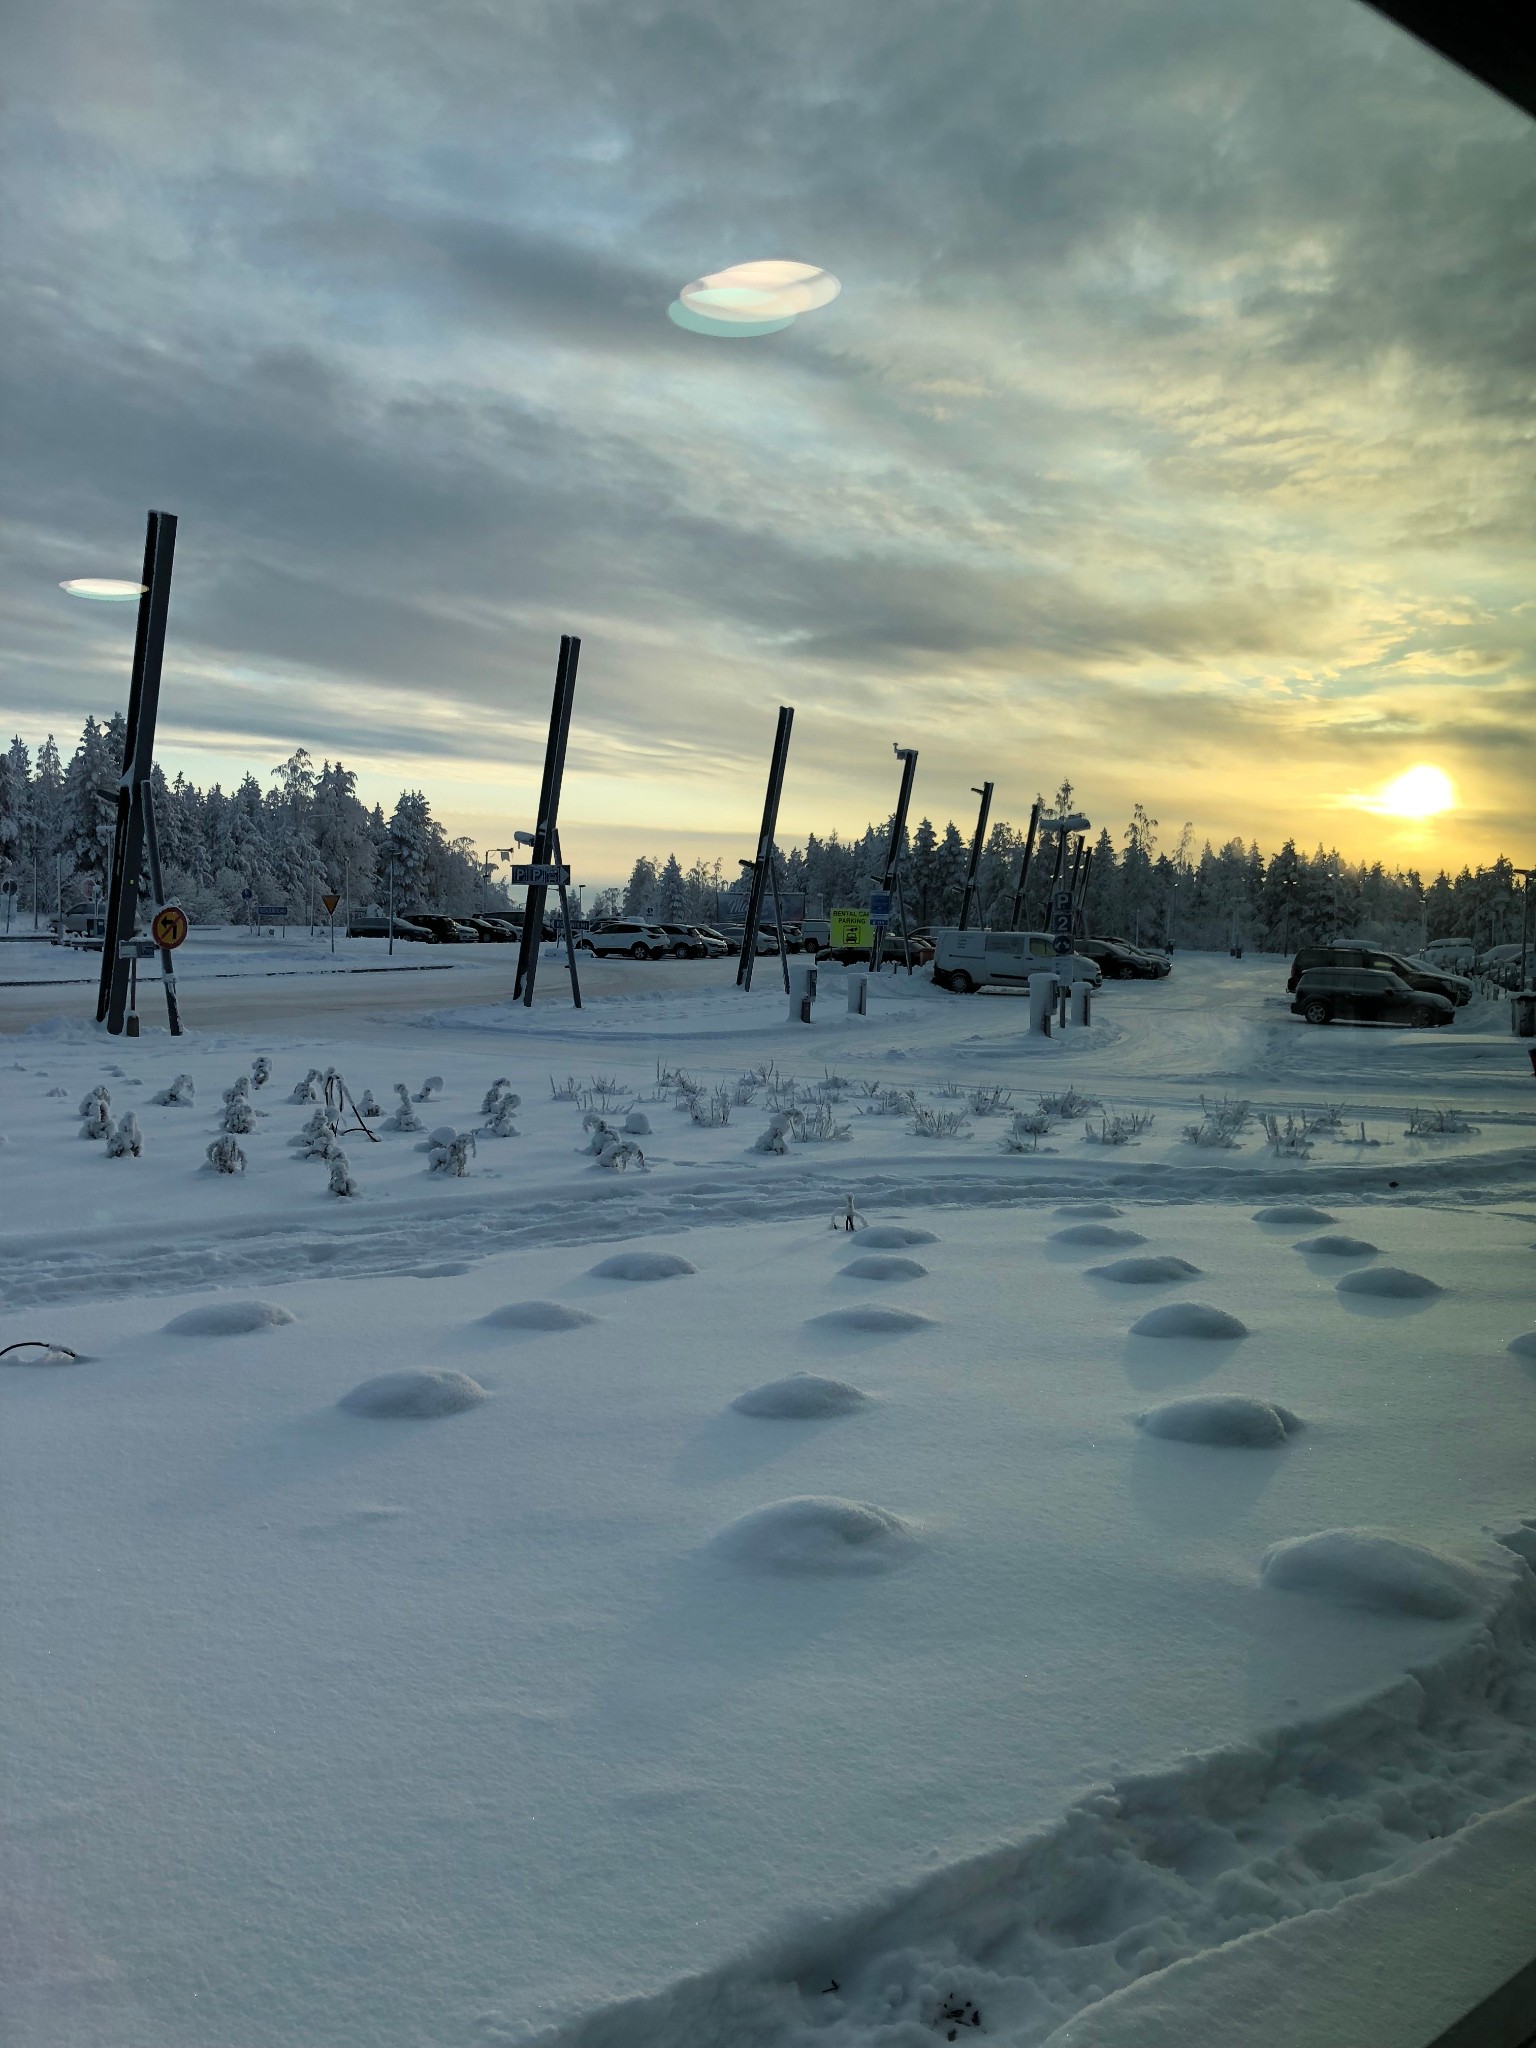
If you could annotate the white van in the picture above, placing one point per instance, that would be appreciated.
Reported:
(966, 961)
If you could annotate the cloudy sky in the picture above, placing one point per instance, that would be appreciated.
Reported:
(1171, 431)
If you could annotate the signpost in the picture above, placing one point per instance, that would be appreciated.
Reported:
(891, 880)
(135, 840)
(762, 870)
(973, 869)
(546, 836)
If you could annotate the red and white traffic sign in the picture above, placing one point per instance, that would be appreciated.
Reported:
(330, 903)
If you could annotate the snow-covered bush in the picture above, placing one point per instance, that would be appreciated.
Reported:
(308, 1090)
(124, 1139)
(450, 1153)
(96, 1115)
(598, 1130)
(884, 1101)
(341, 1181)
(501, 1124)
(241, 1091)
(367, 1106)
(88, 1103)
(939, 1123)
(1289, 1140)
(713, 1109)
(569, 1090)
(950, 1091)
(239, 1116)
(179, 1095)
(1121, 1129)
(1221, 1124)
(637, 1124)
(1069, 1105)
(617, 1152)
(432, 1086)
(225, 1156)
(605, 1090)
(776, 1137)
(990, 1101)
(745, 1089)
(261, 1071)
(1438, 1123)
(818, 1125)
(404, 1118)
(493, 1096)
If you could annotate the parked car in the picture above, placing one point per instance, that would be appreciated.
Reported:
(1121, 961)
(491, 929)
(450, 931)
(967, 961)
(714, 946)
(614, 937)
(378, 928)
(683, 942)
(1454, 956)
(1377, 960)
(734, 934)
(716, 939)
(82, 921)
(1366, 995)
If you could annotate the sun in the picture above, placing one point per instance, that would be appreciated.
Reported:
(1419, 792)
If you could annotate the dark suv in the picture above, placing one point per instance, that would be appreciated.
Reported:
(1366, 995)
(1376, 959)
(1121, 961)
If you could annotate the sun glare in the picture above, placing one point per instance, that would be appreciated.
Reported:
(1418, 793)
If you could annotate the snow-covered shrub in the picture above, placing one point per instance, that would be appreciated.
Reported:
(501, 1124)
(225, 1156)
(713, 1109)
(261, 1071)
(124, 1139)
(308, 1090)
(951, 1091)
(450, 1153)
(568, 1090)
(818, 1125)
(96, 1115)
(884, 1101)
(776, 1137)
(88, 1103)
(939, 1123)
(404, 1118)
(617, 1152)
(1329, 1118)
(241, 1091)
(1289, 1140)
(783, 1092)
(637, 1124)
(493, 1095)
(605, 1090)
(239, 1116)
(1438, 1123)
(432, 1086)
(1221, 1124)
(179, 1095)
(341, 1181)
(1069, 1105)
(746, 1087)
(368, 1106)
(1121, 1129)
(833, 1084)
(990, 1101)
(598, 1130)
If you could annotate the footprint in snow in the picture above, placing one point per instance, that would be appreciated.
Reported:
(883, 1269)
(230, 1319)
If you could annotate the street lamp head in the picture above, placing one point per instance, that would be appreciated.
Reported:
(903, 753)
(749, 865)
(523, 838)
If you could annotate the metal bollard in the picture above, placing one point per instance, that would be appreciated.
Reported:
(802, 993)
(1042, 998)
(1082, 1002)
(858, 995)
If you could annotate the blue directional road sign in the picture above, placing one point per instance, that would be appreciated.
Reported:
(880, 906)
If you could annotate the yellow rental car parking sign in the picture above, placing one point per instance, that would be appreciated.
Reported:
(851, 928)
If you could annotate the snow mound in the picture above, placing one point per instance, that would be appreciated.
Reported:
(890, 1237)
(1085, 1210)
(450, 1269)
(1391, 1283)
(41, 1353)
(803, 1396)
(819, 1534)
(1292, 1212)
(1524, 1346)
(414, 1396)
(1188, 1319)
(1096, 1233)
(229, 1319)
(1521, 1540)
(1372, 1568)
(1335, 1245)
(871, 1317)
(537, 1315)
(876, 1268)
(642, 1266)
(1148, 1272)
(1229, 1419)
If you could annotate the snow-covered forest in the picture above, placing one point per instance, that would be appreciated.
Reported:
(1139, 887)
(307, 831)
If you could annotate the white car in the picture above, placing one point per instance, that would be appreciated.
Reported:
(620, 937)
(969, 960)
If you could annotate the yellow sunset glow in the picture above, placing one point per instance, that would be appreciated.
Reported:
(1418, 793)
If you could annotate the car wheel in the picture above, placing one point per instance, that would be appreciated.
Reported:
(1316, 1013)
(680, 951)
(961, 983)
(1121, 972)
(639, 951)
(1421, 1018)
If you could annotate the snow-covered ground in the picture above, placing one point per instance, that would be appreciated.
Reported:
(993, 1656)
